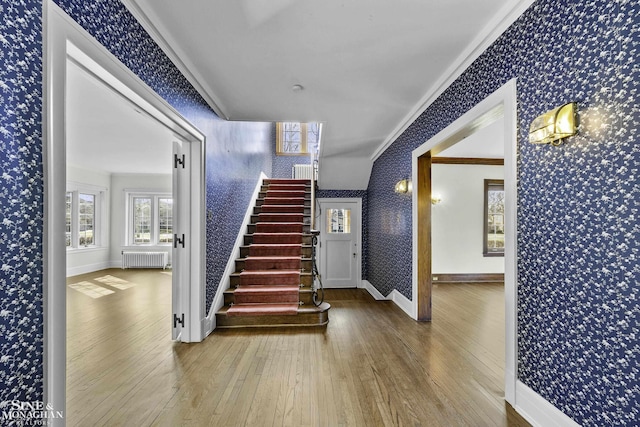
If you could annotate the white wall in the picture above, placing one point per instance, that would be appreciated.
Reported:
(80, 261)
(457, 222)
(120, 184)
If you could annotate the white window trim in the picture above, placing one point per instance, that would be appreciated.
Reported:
(100, 212)
(155, 195)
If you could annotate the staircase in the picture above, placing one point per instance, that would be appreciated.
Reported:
(272, 285)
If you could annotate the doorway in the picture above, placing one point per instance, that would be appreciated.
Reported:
(501, 103)
(66, 40)
(340, 242)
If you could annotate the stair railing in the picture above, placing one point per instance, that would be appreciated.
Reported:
(315, 233)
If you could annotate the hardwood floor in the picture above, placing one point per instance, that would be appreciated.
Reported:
(371, 366)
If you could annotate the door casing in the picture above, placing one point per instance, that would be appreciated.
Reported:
(358, 231)
(64, 38)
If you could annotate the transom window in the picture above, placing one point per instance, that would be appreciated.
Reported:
(150, 219)
(493, 217)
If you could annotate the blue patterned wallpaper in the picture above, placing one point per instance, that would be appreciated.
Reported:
(355, 194)
(21, 201)
(236, 152)
(578, 233)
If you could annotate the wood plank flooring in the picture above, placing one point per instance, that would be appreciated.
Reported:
(371, 366)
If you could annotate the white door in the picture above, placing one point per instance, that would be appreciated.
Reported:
(181, 249)
(340, 242)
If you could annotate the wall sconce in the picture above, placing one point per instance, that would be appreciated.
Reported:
(435, 199)
(552, 126)
(404, 186)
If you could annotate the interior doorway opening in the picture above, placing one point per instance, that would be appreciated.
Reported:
(501, 103)
(65, 41)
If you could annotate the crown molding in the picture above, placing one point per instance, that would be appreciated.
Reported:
(494, 29)
(175, 55)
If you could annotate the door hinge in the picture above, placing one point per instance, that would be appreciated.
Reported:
(177, 320)
(178, 161)
(178, 241)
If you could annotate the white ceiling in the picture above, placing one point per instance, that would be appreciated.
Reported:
(106, 132)
(367, 67)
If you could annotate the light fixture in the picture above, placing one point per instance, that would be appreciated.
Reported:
(297, 88)
(435, 199)
(552, 126)
(403, 186)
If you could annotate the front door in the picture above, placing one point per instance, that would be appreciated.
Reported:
(340, 242)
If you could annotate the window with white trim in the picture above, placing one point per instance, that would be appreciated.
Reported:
(493, 217)
(150, 219)
(83, 217)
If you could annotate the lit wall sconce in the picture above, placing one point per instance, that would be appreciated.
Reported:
(435, 199)
(552, 126)
(404, 186)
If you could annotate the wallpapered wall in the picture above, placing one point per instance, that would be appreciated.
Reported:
(21, 201)
(578, 233)
(236, 152)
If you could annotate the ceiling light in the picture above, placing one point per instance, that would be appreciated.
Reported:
(297, 88)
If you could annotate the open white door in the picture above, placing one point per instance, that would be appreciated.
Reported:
(340, 242)
(181, 232)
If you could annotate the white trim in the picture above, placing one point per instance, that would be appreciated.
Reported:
(404, 303)
(64, 39)
(373, 291)
(90, 268)
(502, 100)
(175, 55)
(358, 202)
(538, 411)
(494, 29)
(225, 281)
(400, 300)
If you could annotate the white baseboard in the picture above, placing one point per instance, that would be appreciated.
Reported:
(89, 268)
(225, 282)
(373, 291)
(538, 411)
(400, 300)
(403, 302)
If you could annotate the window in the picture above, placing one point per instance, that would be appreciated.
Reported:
(296, 139)
(339, 221)
(493, 217)
(82, 217)
(150, 219)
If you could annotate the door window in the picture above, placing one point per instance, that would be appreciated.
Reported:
(339, 221)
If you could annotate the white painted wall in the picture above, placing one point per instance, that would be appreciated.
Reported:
(457, 222)
(120, 184)
(80, 261)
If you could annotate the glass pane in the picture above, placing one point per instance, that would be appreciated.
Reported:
(86, 219)
(339, 221)
(165, 214)
(67, 229)
(495, 218)
(141, 220)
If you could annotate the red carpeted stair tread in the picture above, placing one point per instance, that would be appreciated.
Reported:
(267, 294)
(280, 217)
(270, 277)
(262, 309)
(275, 250)
(273, 238)
(273, 262)
(279, 227)
(282, 208)
(272, 200)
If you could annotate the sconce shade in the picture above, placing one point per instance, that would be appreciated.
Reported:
(554, 125)
(403, 186)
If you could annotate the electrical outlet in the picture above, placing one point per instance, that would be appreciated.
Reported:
(435, 278)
